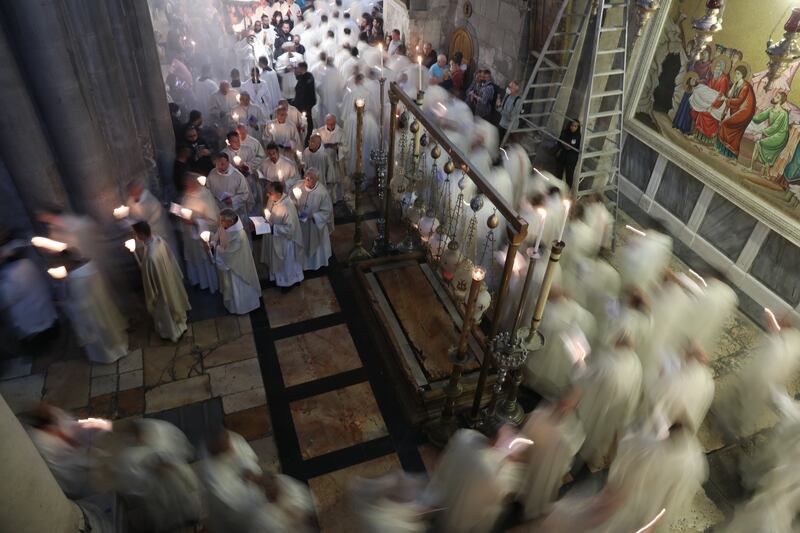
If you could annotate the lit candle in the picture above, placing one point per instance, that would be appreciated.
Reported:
(57, 272)
(567, 205)
(280, 175)
(299, 155)
(130, 244)
(201, 180)
(272, 128)
(478, 273)
(267, 214)
(49, 244)
(419, 60)
(121, 212)
(380, 47)
(205, 235)
(297, 193)
(360, 103)
(542, 216)
(98, 423)
(236, 115)
(186, 213)
(237, 160)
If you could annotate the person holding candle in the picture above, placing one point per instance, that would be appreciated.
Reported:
(144, 206)
(164, 294)
(239, 284)
(200, 268)
(305, 96)
(220, 106)
(282, 131)
(278, 167)
(286, 251)
(315, 213)
(332, 138)
(250, 115)
(246, 161)
(229, 186)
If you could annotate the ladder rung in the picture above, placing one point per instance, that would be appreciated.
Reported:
(607, 93)
(554, 52)
(531, 115)
(537, 85)
(610, 51)
(591, 173)
(612, 28)
(611, 5)
(564, 33)
(605, 133)
(605, 114)
(550, 69)
(614, 72)
(539, 100)
(601, 153)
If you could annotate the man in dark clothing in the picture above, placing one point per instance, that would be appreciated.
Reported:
(284, 36)
(200, 160)
(305, 96)
(429, 55)
(569, 150)
(181, 166)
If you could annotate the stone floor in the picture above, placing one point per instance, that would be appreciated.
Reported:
(299, 379)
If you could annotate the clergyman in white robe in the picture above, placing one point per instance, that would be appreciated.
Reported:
(25, 297)
(241, 290)
(144, 206)
(286, 252)
(333, 141)
(315, 213)
(229, 187)
(200, 268)
(164, 293)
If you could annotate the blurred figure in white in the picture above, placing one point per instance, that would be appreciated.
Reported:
(315, 156)
(610, 387)
(153, 474)
(93, 313)
(203, 88)
(389, 504)
(244, 159)
(239, 284)
(200, 268)
(241, 497)
(659, 467)
(220, 106)
(315, 213)
(254, 144)
(251, 115)
(146, 207)
(277, 167)
(164, 294)
(467, 484)
(330, 88)
(644, 257)
(548, 371)
(557, 436)
(282, 131)
(229, 186)
(286, 245)
(333, 141)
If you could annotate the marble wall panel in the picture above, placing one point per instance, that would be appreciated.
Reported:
(777, 266)
(726, 226)
(678, 192)
(637, 162)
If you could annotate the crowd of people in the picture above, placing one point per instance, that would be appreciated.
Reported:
(624, 372)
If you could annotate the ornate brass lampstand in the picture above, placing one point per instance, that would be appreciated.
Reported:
(440, 431)
(411, 241)
(358, 253)
(379, 159)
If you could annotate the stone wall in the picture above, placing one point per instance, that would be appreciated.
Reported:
(499, 29)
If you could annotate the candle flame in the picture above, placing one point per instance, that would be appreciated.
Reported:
(478, 273)
(504, 153)
(121, 212)
(267, 214)
(57, 272)
(359, 103)
(542, 213)
(97, 423)
(186, 213)
(567, 205)
(297, 192)
(49, 244)
(201, 180)
(772, 318)
(205, 235)
(130, 244)
(236, 115)
(637, 231)
(237, 160)
(419, 60)
(653, 521)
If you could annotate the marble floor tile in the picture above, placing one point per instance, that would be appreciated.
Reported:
(102, 406)
(235, 377)
(16, 367)
(336, 420)
(227, 327)
(245, 325)
(252, 424)
(330, 492)
(267, 453)
(177, 393)
(130, 402)
(99, 370)
(67, 383)
(430, 456)
(163, 364)
(205, 333)
(238, 401)
(132, 361)
(131, 380)
(236, 350)
(311, 299)
(342, 238)
(104, 385)
(23, 394)
(316, 355)
(701, 516)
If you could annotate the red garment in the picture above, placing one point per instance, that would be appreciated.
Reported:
(704, 122)
(458, 79)
(741, 106)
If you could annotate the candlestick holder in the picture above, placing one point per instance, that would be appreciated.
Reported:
(379, 159)
(358, 252)
(509, 354)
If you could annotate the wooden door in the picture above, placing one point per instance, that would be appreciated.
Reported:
(461, 41)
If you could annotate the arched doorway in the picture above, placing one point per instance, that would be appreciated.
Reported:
(461, 41)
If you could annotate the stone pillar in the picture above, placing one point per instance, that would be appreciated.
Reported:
(24, 147)
(32, 499)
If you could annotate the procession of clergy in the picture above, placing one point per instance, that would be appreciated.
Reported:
(624, 371)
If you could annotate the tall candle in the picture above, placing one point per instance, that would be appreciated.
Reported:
(567, 205)
(419, 60)
(48, 244)
(542, 216)
(130, 244)
(380, 47)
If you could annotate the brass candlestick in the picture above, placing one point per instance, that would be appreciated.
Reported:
(358, 253)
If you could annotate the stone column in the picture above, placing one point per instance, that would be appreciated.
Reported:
(24, 147)
(32, 499)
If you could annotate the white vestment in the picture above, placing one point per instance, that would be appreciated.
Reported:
(165, 295)
(150, 210)
(239, 284)
(200, 268)
(220, 107)
(283, 170)
(270, 78)
(203, 89)
(249, 158)
(330, 88)
(315, 213)
(260, 96)
(286, 252)
(232, 184)
(285, 135)
(252, 117)
(95, 317)
(336, 159)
